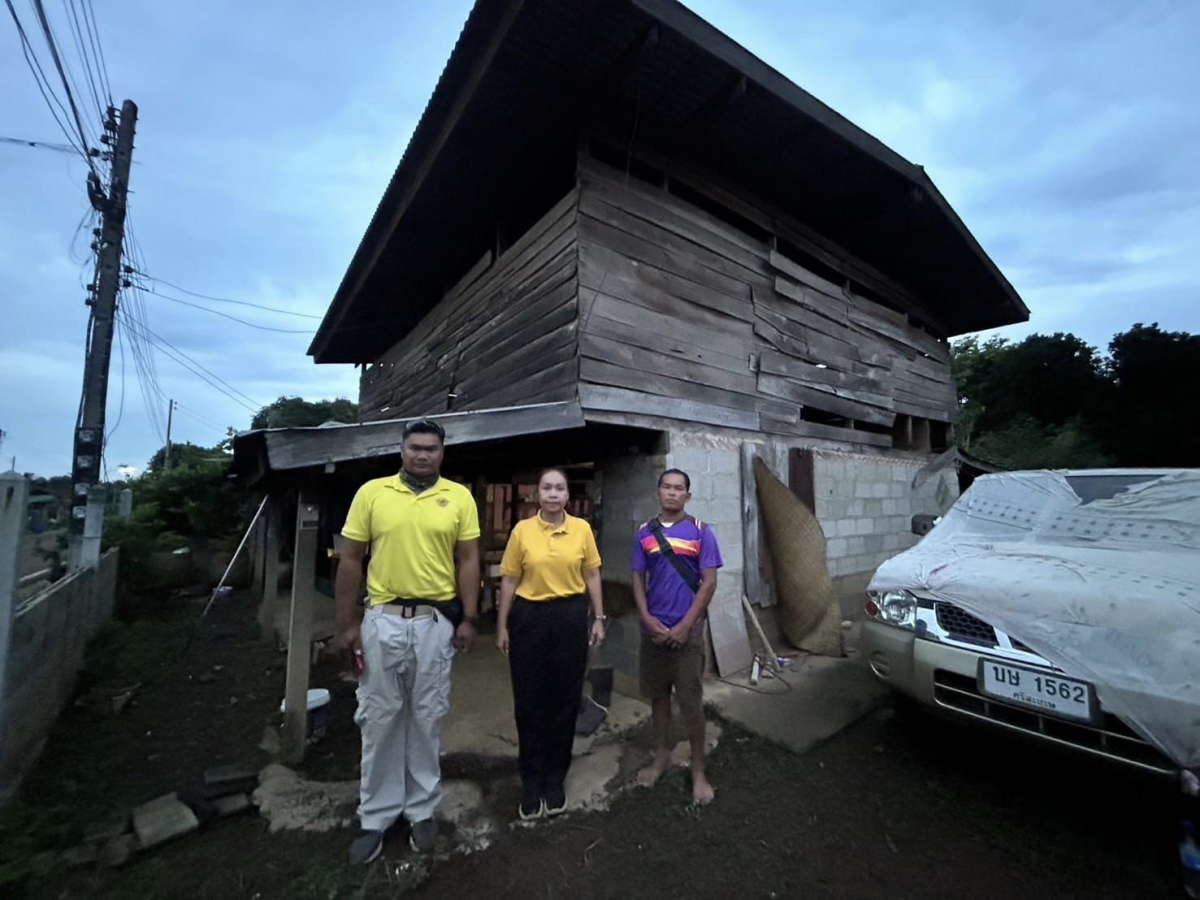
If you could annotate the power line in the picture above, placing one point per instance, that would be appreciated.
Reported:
(121, 405)
(43, 83)
(217, 312)
(77, 34)
(167, 347)
(93, 30)
(150, 394)
(39, 145)
(50, 42)
(201, 419)
(285, 312)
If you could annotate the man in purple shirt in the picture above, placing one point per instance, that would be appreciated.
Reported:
(673, 588)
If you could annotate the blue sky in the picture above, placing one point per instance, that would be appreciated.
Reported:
(1065, 134)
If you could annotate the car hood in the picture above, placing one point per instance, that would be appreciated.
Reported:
(1109, 589)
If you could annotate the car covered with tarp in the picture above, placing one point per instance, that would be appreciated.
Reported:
(1061, 604)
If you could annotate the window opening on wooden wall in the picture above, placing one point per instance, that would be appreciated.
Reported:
(717, 210)
(939, 436)
(623, 162)
(821, 417)
(902, 432)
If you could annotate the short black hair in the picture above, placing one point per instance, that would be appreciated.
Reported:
(687, 482)
(423, 426)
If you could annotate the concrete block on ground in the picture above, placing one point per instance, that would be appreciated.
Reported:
(161, 820)
(218, 776)
(232, 804)
(119, 850)
(827, 696)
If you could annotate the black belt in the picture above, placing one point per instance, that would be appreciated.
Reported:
(452, 609)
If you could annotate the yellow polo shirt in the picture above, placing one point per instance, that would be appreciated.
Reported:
(412, 537)
(550, 559)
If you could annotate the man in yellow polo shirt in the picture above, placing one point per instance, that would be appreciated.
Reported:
(422, 532)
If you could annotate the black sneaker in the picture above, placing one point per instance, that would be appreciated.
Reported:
(366, 847)
(423, 836)
(531, 805)
(555, 801)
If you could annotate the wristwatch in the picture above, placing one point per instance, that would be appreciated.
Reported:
(473, 621)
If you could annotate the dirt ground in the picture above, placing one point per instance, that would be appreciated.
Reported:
(899, 805)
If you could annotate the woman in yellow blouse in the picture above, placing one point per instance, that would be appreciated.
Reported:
(550, 570)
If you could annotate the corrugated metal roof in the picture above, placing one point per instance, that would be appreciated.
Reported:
(523, 77)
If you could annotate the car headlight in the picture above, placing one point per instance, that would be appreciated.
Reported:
(897, 608)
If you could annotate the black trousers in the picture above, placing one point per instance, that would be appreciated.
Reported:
(547, 655)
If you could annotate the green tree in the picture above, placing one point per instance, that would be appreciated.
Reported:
(1156, 374)
(295, 412)
(185, 454)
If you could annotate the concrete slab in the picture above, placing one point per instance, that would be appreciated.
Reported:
(291, 802)
(589, 777)
(161, 820)
(810, 703)
(681, 753)
(461, 800)
(481, 721)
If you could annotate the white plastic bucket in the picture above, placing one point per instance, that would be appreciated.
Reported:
(318, 714)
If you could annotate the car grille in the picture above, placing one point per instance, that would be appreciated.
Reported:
(962, 626)
(1111, 738)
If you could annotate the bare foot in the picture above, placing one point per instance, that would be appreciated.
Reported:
(702, 791)
(648, 776)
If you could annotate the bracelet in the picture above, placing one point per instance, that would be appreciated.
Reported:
(601, 618)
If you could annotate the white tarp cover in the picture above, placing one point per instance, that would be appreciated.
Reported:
(1107, 590)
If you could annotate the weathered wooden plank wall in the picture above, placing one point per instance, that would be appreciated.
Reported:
(505, 335)
(676, 303)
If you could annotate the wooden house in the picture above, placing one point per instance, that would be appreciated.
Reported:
(619, 240)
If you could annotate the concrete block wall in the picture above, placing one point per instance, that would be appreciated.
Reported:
(627, 500)
(865, 505)
(49, 633)
(714, 465)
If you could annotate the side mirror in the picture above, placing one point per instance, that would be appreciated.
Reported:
(922, 523)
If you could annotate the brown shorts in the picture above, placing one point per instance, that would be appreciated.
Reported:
(663, 668)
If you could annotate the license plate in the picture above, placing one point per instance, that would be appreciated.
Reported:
(1037, 690)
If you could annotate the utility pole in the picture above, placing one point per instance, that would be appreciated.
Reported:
(170, 418)
(89, 430)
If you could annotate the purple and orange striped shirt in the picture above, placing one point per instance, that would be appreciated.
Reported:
(668, 597)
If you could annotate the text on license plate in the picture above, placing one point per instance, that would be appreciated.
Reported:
(1038, 690)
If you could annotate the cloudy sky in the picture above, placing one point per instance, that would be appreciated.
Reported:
(1065, 134)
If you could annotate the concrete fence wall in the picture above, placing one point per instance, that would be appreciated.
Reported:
(41, 657)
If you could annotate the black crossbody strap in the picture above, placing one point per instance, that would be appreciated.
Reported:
(689, 577)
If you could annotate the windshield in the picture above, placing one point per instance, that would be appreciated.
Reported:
(1104, 487)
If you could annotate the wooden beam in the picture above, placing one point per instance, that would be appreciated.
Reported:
(298, 448)
(784, 388)
(598, 398)
(756, 587)
(300, 630)
(270, 579)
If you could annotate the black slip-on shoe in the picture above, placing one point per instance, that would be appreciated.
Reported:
(423, 836)
(555, 801)
(366, 847)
